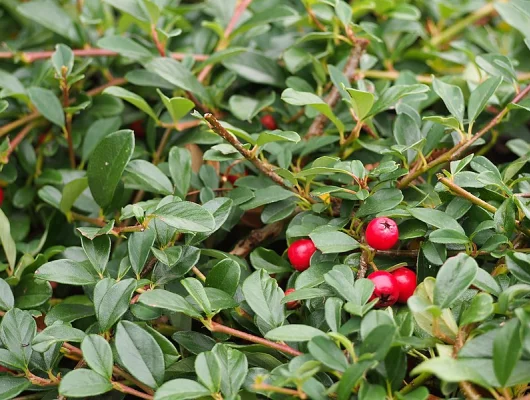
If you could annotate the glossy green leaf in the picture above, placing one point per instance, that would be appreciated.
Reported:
(62, 57)
(84, 382)
(132, 98)
(453, 278)
(507, 348)
(139, 246)
(97, 251)
(481, 307)
(264, 297)
(6, 240)
(224, 276)
(480, 96)
(333, 242)
(143, 175)
(55, 333)
(181, 389)
(186, 217)
(69, 272)
(47, 104)
(452, 97)
(294, 333)
(111, 301)
(7, 301)
(169, 301)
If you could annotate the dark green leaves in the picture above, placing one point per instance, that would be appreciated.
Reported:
(67, 271)
(169, 301)
(333, 242)
(264, 297)
(519, 265)
(139, 246)
(111, 301)
(57, 332)
(48, 104)
(6, 240)
(97, 251)
(140, 354)
(452, 97)
(17, 330)
(82, 383)
(107, 163)
(480, 96)
(132, 98)
(175, 73)
(7, 301)
(382, 200)
(507, 347)
(98, 355)
(186, 217)
(453, 278)
(224, 276)
(180, 169)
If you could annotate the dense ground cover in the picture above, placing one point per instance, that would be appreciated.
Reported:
(273, 198)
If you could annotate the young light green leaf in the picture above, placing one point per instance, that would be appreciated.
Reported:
(361, 102)
(63, 57)
(294, 333)
(177, 107)
(132, 98)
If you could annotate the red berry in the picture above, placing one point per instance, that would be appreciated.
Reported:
(300, 253)
(54, 285)
(138, 128)
(269, 122)
(386, 288)
(291, 305)
(406, 280)
(232, 178)
(1, 196)
(382, 233)
(3, 369)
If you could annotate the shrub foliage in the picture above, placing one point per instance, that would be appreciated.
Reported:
(147, 206)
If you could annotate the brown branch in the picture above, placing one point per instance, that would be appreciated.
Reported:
(363, 265)
(317, 127)
(32, 56)
(198, 274)
(257, 236)
(17, 139)
(215, 327)
(128, 390)
(156, 39)
(275, 389)
(223, 43)
(249, 155)
(463, 145)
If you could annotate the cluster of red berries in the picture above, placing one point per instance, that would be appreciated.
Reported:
(1, 196)
(381, 234)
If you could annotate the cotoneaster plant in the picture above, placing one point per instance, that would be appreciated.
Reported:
(168, 167)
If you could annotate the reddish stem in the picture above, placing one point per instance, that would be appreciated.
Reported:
(156, 39)
(215, 327)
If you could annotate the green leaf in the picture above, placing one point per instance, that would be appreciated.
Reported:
(98, 355)
(6, 240)
(351, 377)
(71, 192)
(220, 208)
(452, 97)
(507, 348)
(58, 332)
(480, 96)
(361, 102)
(97, 251)
(181, 389)
(197, 292)
(448, 236)
(47, 104)
(169, 301)
(17, 331)
(208, 371)
(267, 195)
(139, 245)
(296, 98)
(256, 67)
(69, 272)
(186, 217)
(382, 200)
(294, 333)
(169, 256)
(50, 15)
(97, 131)
(277, 136)
(451, 122)
(517, 14)
(177, 107)
(481, 307)
(82, 383)
(62, 57)
(264, 298)
(333, 242)
(125, 47)
(234, 369)
(107, 163)
(326, 351)
(519, 265)
(143, 175)
(436, 218)
(450, 370)
(32, 292)
(224, 276)
(453, 279)
(132, 98)
(111, 301)
(7, 301)
(246, 108)
(269, 260)
(391, 95)
(67, 312)
(175, 73)
(140, 354)
(180, 170)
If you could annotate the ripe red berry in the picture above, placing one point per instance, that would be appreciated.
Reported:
(269, 122)
(3, 369)
(138, 128)
(291, 305)
(232, 178)
(406, 280)
(300, 253)
(386, 288)
(382, 233)
(1, 196)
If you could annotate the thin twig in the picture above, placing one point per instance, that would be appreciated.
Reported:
(223, 43)
(32, 56)
(216, 327)
(156, 39)
(163, 142)
(17, 139)
(198, 274)
(359, 46)
(275, 389)
(249, 155)
(463, 145)
(253, 240)
(128, 390)
(465, 194)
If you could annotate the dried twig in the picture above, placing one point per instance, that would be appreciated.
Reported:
(359, 46)
(257, 236)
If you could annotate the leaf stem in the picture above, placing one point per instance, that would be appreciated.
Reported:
(216, 327)
(465, 194)
(462, 24)
(129, 390)
(275, 389)
(418, 381)
(156, 40)
(199, 274)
